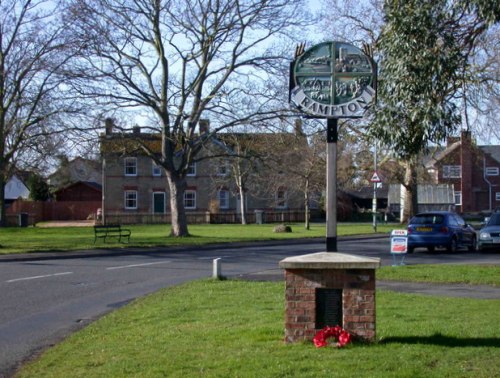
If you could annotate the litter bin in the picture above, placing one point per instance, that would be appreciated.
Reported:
(23, 220)
(259, 216)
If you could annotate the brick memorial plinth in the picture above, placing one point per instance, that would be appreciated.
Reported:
(329, 289)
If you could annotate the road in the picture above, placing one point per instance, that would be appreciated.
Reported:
(45, 299)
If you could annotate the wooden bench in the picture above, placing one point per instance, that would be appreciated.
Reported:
(111, 231)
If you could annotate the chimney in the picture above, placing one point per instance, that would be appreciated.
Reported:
(204, 125)
(108, 126)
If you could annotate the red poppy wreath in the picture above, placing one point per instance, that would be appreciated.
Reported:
(341, 336)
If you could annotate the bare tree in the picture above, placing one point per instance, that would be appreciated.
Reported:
(33, 93)
(240, 156)
(175, 61)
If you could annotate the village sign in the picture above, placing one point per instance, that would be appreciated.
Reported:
(333, 80)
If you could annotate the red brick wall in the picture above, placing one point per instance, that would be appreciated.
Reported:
(358, 301)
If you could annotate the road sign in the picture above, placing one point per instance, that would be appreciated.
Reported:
(375, 178)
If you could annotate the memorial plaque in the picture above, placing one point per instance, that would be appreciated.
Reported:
(328, 307)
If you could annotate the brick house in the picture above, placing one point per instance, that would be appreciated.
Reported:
(473, 170)
(135, 189)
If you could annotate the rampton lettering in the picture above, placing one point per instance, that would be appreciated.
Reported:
(353, 108)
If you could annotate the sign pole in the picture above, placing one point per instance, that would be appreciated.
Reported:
(331, 185)
(332, 80)
(374, 202)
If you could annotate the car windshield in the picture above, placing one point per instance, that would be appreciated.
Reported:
(494, 220)
(428, 219)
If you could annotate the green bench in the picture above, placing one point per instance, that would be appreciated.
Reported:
(104, 231)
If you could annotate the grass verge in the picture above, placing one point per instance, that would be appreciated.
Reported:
(235, 329)
(61, 239)
(443, 273)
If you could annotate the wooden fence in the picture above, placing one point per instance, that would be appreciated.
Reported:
(207, 217)
(51, 211)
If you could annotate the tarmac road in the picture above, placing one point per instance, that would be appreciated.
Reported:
(45, 297)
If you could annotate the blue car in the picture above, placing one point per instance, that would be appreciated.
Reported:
(489, 235)
(437, 229)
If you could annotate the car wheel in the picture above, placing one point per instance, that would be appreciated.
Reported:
(473, 247)
(452, 247)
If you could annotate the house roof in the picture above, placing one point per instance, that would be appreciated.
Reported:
(90, 184)
(439, 153)
(493, 151)
(133, 143)
(75, 170)
(367, 192)
(15, 188)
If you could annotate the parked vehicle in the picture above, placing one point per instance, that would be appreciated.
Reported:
(489, 235)
(437, 229)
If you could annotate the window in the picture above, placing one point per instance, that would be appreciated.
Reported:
(452, 171)
(190, 199)
(492, 171)
(131, 166)
(458, 198)
(191, 171)
(497, 196)
(223, 198)
(222, 169)
(156, 170)
(131, 199)
(281, 199)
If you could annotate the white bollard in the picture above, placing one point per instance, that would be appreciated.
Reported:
(217, 269)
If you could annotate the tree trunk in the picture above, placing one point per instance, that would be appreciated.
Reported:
(243, 207)
(411, 197)
(177, 186)
(306, 206)
(3, 216)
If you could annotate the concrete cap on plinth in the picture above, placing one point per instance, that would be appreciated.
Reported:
(330, 260)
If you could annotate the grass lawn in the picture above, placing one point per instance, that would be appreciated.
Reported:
(232, 328)
(443, 273)
(61, 239)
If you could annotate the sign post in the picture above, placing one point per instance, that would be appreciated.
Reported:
(332, 80)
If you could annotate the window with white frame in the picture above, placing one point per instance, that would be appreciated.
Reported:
(190, 199)
(492, 171)
(497, 196)
(281, 198)
(156, 169)
(452, 171)
(223, 198)
(130, 164)
(131, 199)
(191, 171)
(458, 198)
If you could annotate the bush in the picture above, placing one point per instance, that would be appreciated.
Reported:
(282, 228)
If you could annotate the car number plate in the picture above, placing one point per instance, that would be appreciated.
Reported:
(496, 240)
(424, 229)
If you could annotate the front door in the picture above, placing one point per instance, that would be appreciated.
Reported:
(159, 203)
